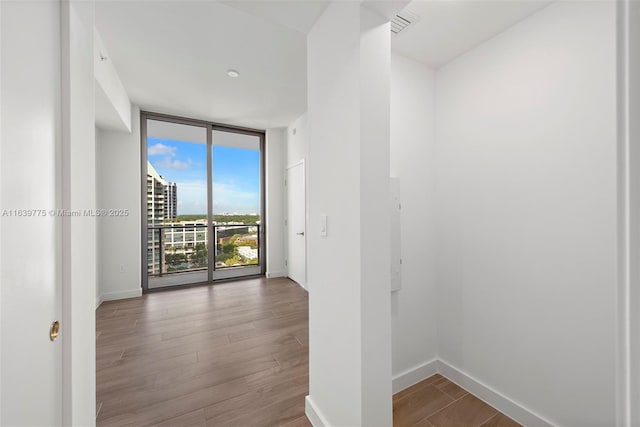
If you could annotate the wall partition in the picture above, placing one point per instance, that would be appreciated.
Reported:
(203, 201)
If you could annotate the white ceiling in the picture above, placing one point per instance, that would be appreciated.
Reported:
(449, 28)
(297, 15)
(173, 57)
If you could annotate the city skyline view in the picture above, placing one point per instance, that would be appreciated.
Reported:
(236, 175)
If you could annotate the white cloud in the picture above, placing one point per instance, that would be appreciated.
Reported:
(169, 163)
(228, 198)
(229, 192)
(195, 185)
(192, 197)
(160, 149)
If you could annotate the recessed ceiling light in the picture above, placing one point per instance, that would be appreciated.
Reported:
(233, 73)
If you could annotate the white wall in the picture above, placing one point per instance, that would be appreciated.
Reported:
(29, 266)
(348, 270)
(375, 217)
(631, 97)
(526, 213)
(275, 147)
(118, 187)
(297, 145)
(113, 108)
(297, 141)
(412, 161)
(79, 233)
(1, 222)
(333, 190)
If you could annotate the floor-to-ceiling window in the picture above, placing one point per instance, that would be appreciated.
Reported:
(203, 193)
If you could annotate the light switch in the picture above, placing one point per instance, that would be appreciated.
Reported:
(323, 225)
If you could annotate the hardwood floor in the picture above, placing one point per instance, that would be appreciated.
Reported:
(234, 354)
(437, 402)
(229, 354)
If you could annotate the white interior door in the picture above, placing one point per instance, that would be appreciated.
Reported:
(296, 239)
(30, 137)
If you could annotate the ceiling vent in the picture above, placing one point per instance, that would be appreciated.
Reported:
(402, 21)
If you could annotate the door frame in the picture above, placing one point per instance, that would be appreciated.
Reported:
(302, 163)
(628, 95)
(210, 127)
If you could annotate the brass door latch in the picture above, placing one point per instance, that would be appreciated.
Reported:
(53, 332)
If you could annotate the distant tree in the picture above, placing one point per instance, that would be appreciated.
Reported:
(223, 257)
(243, 219)
(199, 256)
(175, 259)
(190, 217)
(234, 260)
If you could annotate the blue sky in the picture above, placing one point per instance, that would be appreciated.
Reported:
(236, 175)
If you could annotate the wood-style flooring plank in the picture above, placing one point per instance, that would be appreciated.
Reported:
(191, 419)
(451, 389)
(418, 405)
(234, 354)
(467, 411)
(418, 386)
(501, 420)
(228, 353)
(439, 402)
(302, 421)
(278, 413)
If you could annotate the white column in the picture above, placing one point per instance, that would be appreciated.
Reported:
(274, 173)
(79, 232)
(348, 183)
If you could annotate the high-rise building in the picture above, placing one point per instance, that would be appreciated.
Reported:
(170, 200)
(155, 197)
(155, 217)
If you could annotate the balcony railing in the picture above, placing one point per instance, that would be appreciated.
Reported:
(175, 249)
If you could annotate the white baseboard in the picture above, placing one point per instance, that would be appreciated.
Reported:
(304, 286)
(272, 274)
(111, 296)
(98, 301)
(414, 375)
(313, 413)
(492, 397)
